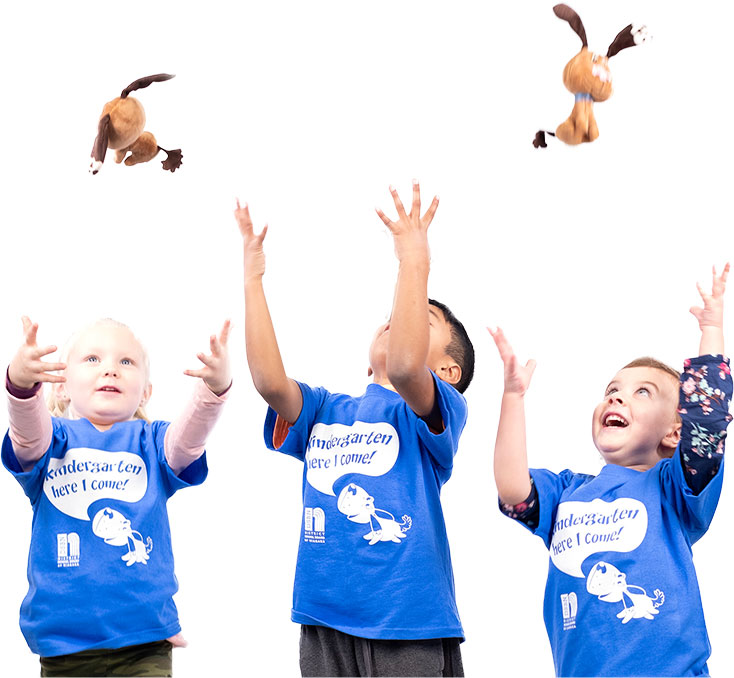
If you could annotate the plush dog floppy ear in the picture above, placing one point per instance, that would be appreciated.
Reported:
(121, 129)
(574, 20)
(627, 37)
(588, 78)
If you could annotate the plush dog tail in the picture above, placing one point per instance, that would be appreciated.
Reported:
(539, 141)
(174, 159)
(145, 82)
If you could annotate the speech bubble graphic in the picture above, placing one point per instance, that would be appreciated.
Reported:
(84, 475)
(335, 450)
(583, 528)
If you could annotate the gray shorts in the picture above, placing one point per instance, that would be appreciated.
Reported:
(328, 652)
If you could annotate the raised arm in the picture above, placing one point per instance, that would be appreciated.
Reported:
(711, 316)
(408, 342)
(186, 436)
(705, 394)
(263, 356)
(511, 471)
(29, 419)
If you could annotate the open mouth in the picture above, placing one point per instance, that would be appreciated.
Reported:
(612, 420)
(109, 389)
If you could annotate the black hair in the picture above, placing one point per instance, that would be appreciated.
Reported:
(459, 348)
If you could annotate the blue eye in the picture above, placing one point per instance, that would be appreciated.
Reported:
(610, 391)
(126, 361)
(92, 359)
(643, 391)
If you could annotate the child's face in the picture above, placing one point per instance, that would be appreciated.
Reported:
(106, 375)
(636, 423)
(439, 337)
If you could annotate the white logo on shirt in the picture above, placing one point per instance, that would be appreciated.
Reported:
(570, 605)
(359, 507)
(609, 584)
(116, 530)
(314, 525)
(67, 549)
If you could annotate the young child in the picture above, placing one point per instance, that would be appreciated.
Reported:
(100, 569)
(622, 597)
(374, 589)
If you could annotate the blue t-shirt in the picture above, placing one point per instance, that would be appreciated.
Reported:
(374, 557)
(622, 598)
(100, 567)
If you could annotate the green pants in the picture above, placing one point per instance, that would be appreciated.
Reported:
(151, 659)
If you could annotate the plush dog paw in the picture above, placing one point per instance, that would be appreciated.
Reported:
(640, 34)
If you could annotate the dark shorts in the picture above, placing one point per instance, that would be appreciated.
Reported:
(151, 659)
(327, 652)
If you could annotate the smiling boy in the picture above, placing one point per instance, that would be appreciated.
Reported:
(622, 597)
(374, 588)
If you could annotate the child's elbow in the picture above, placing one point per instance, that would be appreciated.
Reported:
(404, 373)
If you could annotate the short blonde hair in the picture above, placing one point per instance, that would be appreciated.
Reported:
(60, 408)
(647, 361)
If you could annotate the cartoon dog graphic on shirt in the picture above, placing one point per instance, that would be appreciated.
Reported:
(359, 507)
(610, 585)
(115, 529)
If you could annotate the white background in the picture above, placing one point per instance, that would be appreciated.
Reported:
(587, 256)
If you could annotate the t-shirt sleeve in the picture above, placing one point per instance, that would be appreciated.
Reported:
(32, 480)
(194, 474)
(292, 439)
(442, 446)
(548, 487)
(692, 480)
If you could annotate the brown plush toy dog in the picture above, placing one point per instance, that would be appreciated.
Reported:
(587, 76)
(121, 129)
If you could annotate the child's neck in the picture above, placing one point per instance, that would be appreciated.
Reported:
(384, 383)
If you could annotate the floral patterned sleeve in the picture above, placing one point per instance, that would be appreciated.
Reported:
(705, 394)
(528, 511)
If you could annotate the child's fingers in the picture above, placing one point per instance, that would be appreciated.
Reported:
(40, 366)
(30, 331)
(27, 324)
(416, 206)
(719, 284)
(242, 215)
(195, 373)
(37, 353)
(503, 346)
(530, 365)
(384, 218)
(208, 360)
(398, 203)
(51, 378)
(224, 334)
(428, 216)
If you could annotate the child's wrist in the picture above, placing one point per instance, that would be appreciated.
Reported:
(415, 258)
(253, 278)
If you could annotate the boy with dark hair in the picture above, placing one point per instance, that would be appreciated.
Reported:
(374, 592)
(622, 597)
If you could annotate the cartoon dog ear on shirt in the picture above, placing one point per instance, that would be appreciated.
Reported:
(121, 129)
(587, 76)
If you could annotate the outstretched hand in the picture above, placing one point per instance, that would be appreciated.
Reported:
(215, 373)
(517, 377)
(712, 313)
(410, 231)
(26, 368)
(254, 252)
